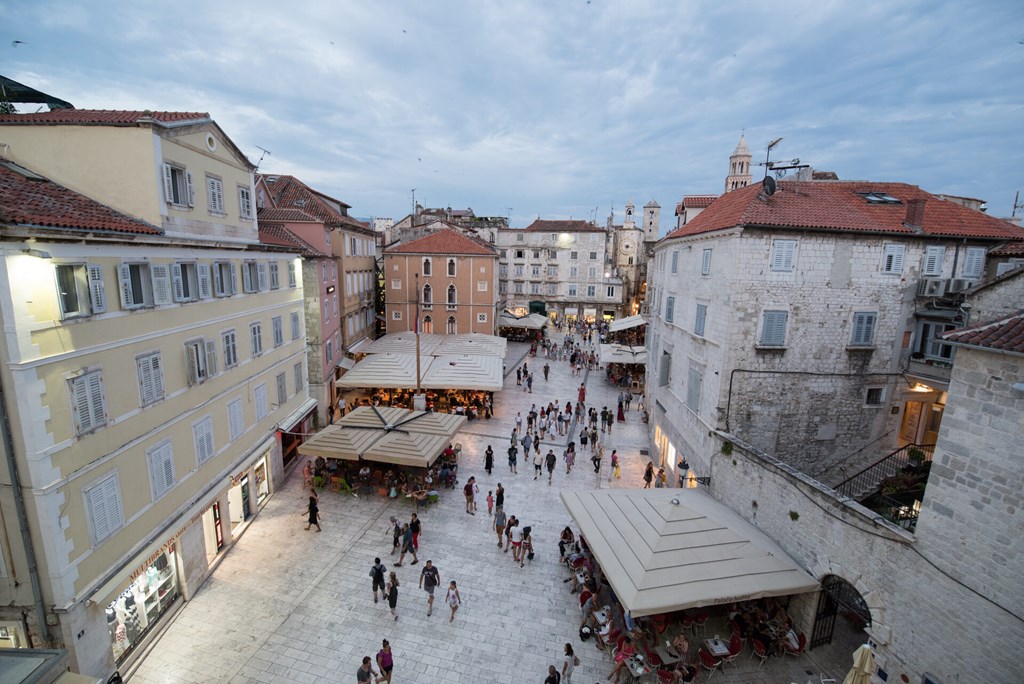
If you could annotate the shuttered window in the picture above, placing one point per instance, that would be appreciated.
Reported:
(892, 261)
(178, 188)
(89, 405)
(202, 436)
(705, 262)
(675, 262)
(230, 348)
(773, 331)
(282, 389)
(259, 399)
(278, 328)
(215, 195)
(698, 325)
(863, 334)
(205, 290)
(161, 468)
(296, 331)
(80, 290)
(299, 376)
(783, 255)
(933, 257)
(103, 507)
(292, 279)
(694, 380)
(974, 262)
(137, 285)
(256, 338)
(275, 277)
(244, 203)
(670, 308)
(201, 360)
(236, 421)
(151, 378)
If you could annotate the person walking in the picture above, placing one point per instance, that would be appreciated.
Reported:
(377, 571)
(569, 663)
(660, 480)
(385, 661)
(526, 552)
(396, 534)
(551, 460)
(430, 577)
(527, 442)
(584, 437)
(519, 376)
(489, 459)
(476, 493)
(529, 382)
(499, 496)
(391, 591)
(519, 424)
(516, 537)
(468, 491)
(593, 439)
(407, 546)
(570, 457)
(628, 399)
(648, 474)
(538, 463)
(313, 510)
(614, 464)
(547, 369)
(365, 672)
(513, 456)
(499, 524)
(415, 528)
(596, 460)
(512, 523)
(553, 676)
(454, 599)
(490, 503)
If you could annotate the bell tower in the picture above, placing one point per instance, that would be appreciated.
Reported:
(652, 221)
(739, 167)
(629, 223)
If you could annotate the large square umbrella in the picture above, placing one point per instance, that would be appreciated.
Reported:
(863, 666)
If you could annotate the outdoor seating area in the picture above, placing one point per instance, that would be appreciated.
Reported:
(473, 404)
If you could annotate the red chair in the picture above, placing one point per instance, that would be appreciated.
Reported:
(653, 658)
(759, 651)
(687, 622)
(735, 648)
(708, 662)
(801, 647)
(701, 621)
(660, 623)
(664, 676)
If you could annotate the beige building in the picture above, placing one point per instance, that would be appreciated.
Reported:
(448, 279)
(152, 353)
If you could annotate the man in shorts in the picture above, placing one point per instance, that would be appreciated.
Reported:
(468, 491)
(429, 579)
(499, 524)
(377, 576)
(366, 673)
(407, 546)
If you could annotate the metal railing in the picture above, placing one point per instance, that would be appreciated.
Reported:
(868, 479)
(904, 515)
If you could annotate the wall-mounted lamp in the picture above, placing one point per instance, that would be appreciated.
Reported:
(688, 479)
(330, 289)
(38, 253)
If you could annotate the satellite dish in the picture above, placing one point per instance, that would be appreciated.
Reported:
(768, 185)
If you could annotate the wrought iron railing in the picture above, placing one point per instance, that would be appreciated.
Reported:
(868, 479)
(902, 514)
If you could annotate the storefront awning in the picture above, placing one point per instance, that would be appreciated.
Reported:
(664, 550)
(386, 435)
(621, 353)
(346, 363)
(360, 346)
(626, 323)
(465, 372)
(531, 322)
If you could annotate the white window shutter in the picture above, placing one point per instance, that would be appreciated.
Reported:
(974, 262)
(161, 277)
(247, 284)
(203, 271)
(80, 397)
(260, 399)
(933, 258)
(145, 380)
(97, 293)
(192, 362)
(176, 286)
(98, 415)
(705, 265)
(234, 280)
(190, 189)
(124, 274)
(211, 358)
(168, 184)
(218, 282)
(156, 367)
(261, 276)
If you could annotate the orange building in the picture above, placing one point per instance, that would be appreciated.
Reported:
(448, 279)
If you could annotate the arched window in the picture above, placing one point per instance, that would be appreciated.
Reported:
(452, 295)
(428, 294)
(452, 328)
(451, 268)
(426, 266)
(428, 325)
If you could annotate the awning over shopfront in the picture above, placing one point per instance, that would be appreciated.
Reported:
(472, 343)
(465, 372)
(661, 556)
(386, 435)
(360, 346)
(532, 322)
(346, 364)
(384, 370)
(626, 323)
(621, 353)
(404, 343)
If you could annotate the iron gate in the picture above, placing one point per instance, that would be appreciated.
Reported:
(836, 594)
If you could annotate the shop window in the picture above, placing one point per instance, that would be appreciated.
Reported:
(135, 612)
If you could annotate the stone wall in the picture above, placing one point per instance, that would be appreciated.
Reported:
(995, 301)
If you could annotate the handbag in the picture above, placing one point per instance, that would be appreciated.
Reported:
(529, 556)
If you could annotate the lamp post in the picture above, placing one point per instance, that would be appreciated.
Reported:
(419, 402)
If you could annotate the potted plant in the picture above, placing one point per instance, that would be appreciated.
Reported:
(915, 455)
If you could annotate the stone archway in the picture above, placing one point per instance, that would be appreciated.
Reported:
(840, 601)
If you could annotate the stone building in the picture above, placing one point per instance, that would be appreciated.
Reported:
(739, 167)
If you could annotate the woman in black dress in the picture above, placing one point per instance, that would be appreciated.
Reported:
(313, 510)
(489, 459)
(391, 591)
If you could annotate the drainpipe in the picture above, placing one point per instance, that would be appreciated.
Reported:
(26, 536)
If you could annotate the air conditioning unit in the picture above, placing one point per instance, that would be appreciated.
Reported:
(932, 287)
(960, 284)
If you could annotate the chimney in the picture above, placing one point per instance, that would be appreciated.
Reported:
(915, 214)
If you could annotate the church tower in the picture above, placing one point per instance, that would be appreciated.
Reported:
(739, 167)
(652, 221)
(629, 223)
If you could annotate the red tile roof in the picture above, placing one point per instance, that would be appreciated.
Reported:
(561, 226)
(1012, 249)
(445, 242)
(276, 234)
(290, 192)
(27, 202)
(101, 117)
(1005, 335)
(698, 201)
(287, 215)
(837, 206)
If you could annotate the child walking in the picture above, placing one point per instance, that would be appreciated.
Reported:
(490, 502)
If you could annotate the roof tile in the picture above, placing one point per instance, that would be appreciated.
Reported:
(445, 242)
(100, 117)
(290, 192)
(563, 226)
(1003, 335)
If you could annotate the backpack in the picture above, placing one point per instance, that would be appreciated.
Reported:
(377, 572)
(585, 632)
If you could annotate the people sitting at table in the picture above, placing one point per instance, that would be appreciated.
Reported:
(565, 541)
(421, 496)
(626, 651)
(682, 671)
(681, 647)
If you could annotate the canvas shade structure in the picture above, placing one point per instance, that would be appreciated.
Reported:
(863, 666)
(621, 353)
(465, 372)
(626, 323)
(531, 322)
(472, 343)
(384, 370)
(386, 435)
(404, 343)
(661, 556)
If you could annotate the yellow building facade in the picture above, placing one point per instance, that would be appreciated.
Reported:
(149, 364)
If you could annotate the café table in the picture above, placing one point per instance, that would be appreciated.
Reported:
(637, 666)
(717, 647)
(668, 656)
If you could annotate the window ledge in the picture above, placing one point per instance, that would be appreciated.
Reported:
(770, 348)
(860, 347)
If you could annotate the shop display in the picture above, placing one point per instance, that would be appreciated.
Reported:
(139, 606)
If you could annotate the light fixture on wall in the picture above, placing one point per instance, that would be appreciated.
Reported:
(691, 480)
(38, 253)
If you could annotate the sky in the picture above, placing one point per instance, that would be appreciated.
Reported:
(556, 108)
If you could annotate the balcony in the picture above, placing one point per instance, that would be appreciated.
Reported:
(933, 370)
(894, 486)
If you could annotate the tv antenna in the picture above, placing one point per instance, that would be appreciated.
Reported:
(768, 154)
(266, 153)
(413, 191)
(1017, 204)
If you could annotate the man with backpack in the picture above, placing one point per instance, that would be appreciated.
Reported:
(377, 576)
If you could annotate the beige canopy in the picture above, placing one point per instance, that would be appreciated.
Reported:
(626, 323)
(661, 556)
(465, 372)
(384, 370)
(386, 435)
(404, 343)
(532, 322)
(472, 343)
(621, 353)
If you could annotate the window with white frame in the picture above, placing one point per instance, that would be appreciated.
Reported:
(282, 389)
(396, 315)
(259, 400)
(933, 258)
(256, 338)
(292, 277)
(103, 507)
(610, 292)
(520, 254)
(573, 256)
(974, 262)
(783, 255)
(773, 328)
(452, 328)
(201, 360)
(698, 324)
(503, 270)
(151, 378)
(230, 344)
(396, 284)
(89, 403)
(552, 271)
(536, 254)
(323, 269)
(185, 281)
(80, 290)
(296, 331)
(519, 271)
(428, 295)
(236, 419)
(244, 203)
(275, 277)
(254, 276)
(277, 325)
(297, 370)
(572, 290)
(138, 283)
(573, 272)
(675, 261)
(892, 258)
(481, 286)
(591, 291)
(202, 438)
(535, 270)
(178, 189)
(519, 238)
(592, 272)
(161, 468)
(327, 311)
(534, 288)
(215, 195)
(874, 396)
(670, 307)
(453, 296)
(225, 281)
(334, 304)
(863, 329)
(593, 256)
(705, 262)
(502, 287)
(695, 378)
(552, 289)
(929, 343)
(451, 268)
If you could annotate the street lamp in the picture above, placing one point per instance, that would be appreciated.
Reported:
(419, 402)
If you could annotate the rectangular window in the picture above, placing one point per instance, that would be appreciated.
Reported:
(591, 291)
(282, 389)
(297, 370)
(202, 437)
(275, 277)
(503, 270)
(256, 338)
(295, 325)
(783, 253)
(593, 256)
(161, 468)
(236, 419)
(873, 396)
(451, 268)
(574, 256)
(670, 306)
(178, 188)
(225, 281)
(519, 271)
(610, 292)
(536, 254)
(552, 289)
(675, 262)
(773, 330)
(323, 268)
(251, 279)
(520, 254)
(974, 262)
(694, 381)
(863, 329)
(573, 272)
(396, 284)
(89, 405)
(705, 262)
(702, 314)
(534, 288)
(481, 286)
(665, 369)
(292, 278)
(259, 400)
(330, 352)
(151, 378)
(278, 327)
(103, 507)
(535, 270)
(552, 271)
(502, 287)
(201, 360)
(892, 261)
(230, 348)
(185, 282)
(244, 203)
(572, 290)
(138, 285)
(592, 272)
(215, 195)
(930, 344)
(933, 258)
(80, 290)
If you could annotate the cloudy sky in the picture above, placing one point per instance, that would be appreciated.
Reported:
(555, 108)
